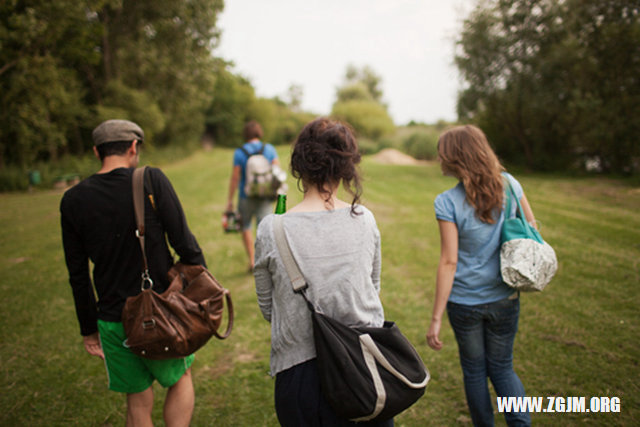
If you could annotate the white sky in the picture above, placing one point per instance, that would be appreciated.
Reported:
(409, 43)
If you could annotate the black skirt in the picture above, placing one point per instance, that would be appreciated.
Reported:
(300, 403)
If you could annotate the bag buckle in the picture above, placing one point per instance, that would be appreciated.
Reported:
(149, 324)
(146, 279)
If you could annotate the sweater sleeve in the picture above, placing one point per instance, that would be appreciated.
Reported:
(77, 262)
(263, 280)
(174, 221)
(377, 257)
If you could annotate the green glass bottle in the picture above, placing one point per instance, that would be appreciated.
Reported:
(281, 205)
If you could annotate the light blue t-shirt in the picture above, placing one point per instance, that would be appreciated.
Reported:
(240, 159)
(477, 279)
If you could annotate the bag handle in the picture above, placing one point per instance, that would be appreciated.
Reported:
(511, 194)
(137, 183)
(227, 297)
(532, 232)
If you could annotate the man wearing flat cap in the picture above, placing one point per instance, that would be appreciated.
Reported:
(98, 225)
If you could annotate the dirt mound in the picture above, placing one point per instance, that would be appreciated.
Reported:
(391, 156)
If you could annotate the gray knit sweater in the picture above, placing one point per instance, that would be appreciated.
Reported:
(339, 256)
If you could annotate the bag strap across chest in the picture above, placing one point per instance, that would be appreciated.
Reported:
(137, 183)
(295, 275)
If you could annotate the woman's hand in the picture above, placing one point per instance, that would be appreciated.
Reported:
(444, 279)
(433, 335)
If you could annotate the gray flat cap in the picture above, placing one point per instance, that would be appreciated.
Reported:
(117, 130)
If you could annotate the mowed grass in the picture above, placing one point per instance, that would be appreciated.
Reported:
(577, 338)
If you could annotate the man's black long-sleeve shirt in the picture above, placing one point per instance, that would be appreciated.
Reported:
(98, 224)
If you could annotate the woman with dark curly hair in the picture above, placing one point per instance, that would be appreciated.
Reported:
(337, 247)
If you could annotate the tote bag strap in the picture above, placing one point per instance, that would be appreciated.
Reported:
(530, 231)
(507, 194)
(295, 275)
(511, 195)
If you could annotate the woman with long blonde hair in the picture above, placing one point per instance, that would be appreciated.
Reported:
(482, 310)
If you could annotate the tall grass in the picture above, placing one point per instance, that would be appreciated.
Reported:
(577, 338)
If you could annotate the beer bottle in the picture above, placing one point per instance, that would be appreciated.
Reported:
(281, 205)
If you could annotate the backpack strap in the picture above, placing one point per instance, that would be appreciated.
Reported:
(246, 153)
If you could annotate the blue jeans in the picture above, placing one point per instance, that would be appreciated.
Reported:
(485, 335)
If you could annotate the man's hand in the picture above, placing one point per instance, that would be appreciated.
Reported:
(93, 346)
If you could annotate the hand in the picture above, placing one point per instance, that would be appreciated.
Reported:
(433, 336)
(93, 346)
(230, 207)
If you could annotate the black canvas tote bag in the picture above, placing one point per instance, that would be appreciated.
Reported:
(366, 373)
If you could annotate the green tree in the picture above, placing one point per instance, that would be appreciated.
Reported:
(553, 83)
(67, 64)
(131, 104)
(230, 108)
(604, 106)
(235, 103)
(41, 106)
(367, 77)
(359, 102)
(294, 97)
(164, 47)
(368, 118)
(281, 124)
(44, 49)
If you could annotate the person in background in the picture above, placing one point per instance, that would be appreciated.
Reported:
(337, 247)
(482, 309)
(249, 207)
(98, 225)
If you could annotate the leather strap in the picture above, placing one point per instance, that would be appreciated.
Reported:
(137, 183)
(138, 197)
(227, 297)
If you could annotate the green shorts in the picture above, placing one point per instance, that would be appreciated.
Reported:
(129, 373)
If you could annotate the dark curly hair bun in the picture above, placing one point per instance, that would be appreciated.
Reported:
(326, 153)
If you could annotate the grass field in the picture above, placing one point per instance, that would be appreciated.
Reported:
(580, 337)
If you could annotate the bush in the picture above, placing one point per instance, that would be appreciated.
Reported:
(422, 145)
(368, 146)
(281, 125)
(368, 118)
(13, 178)
(16, 178)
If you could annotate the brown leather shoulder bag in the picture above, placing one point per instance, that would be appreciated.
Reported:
(180, 320)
